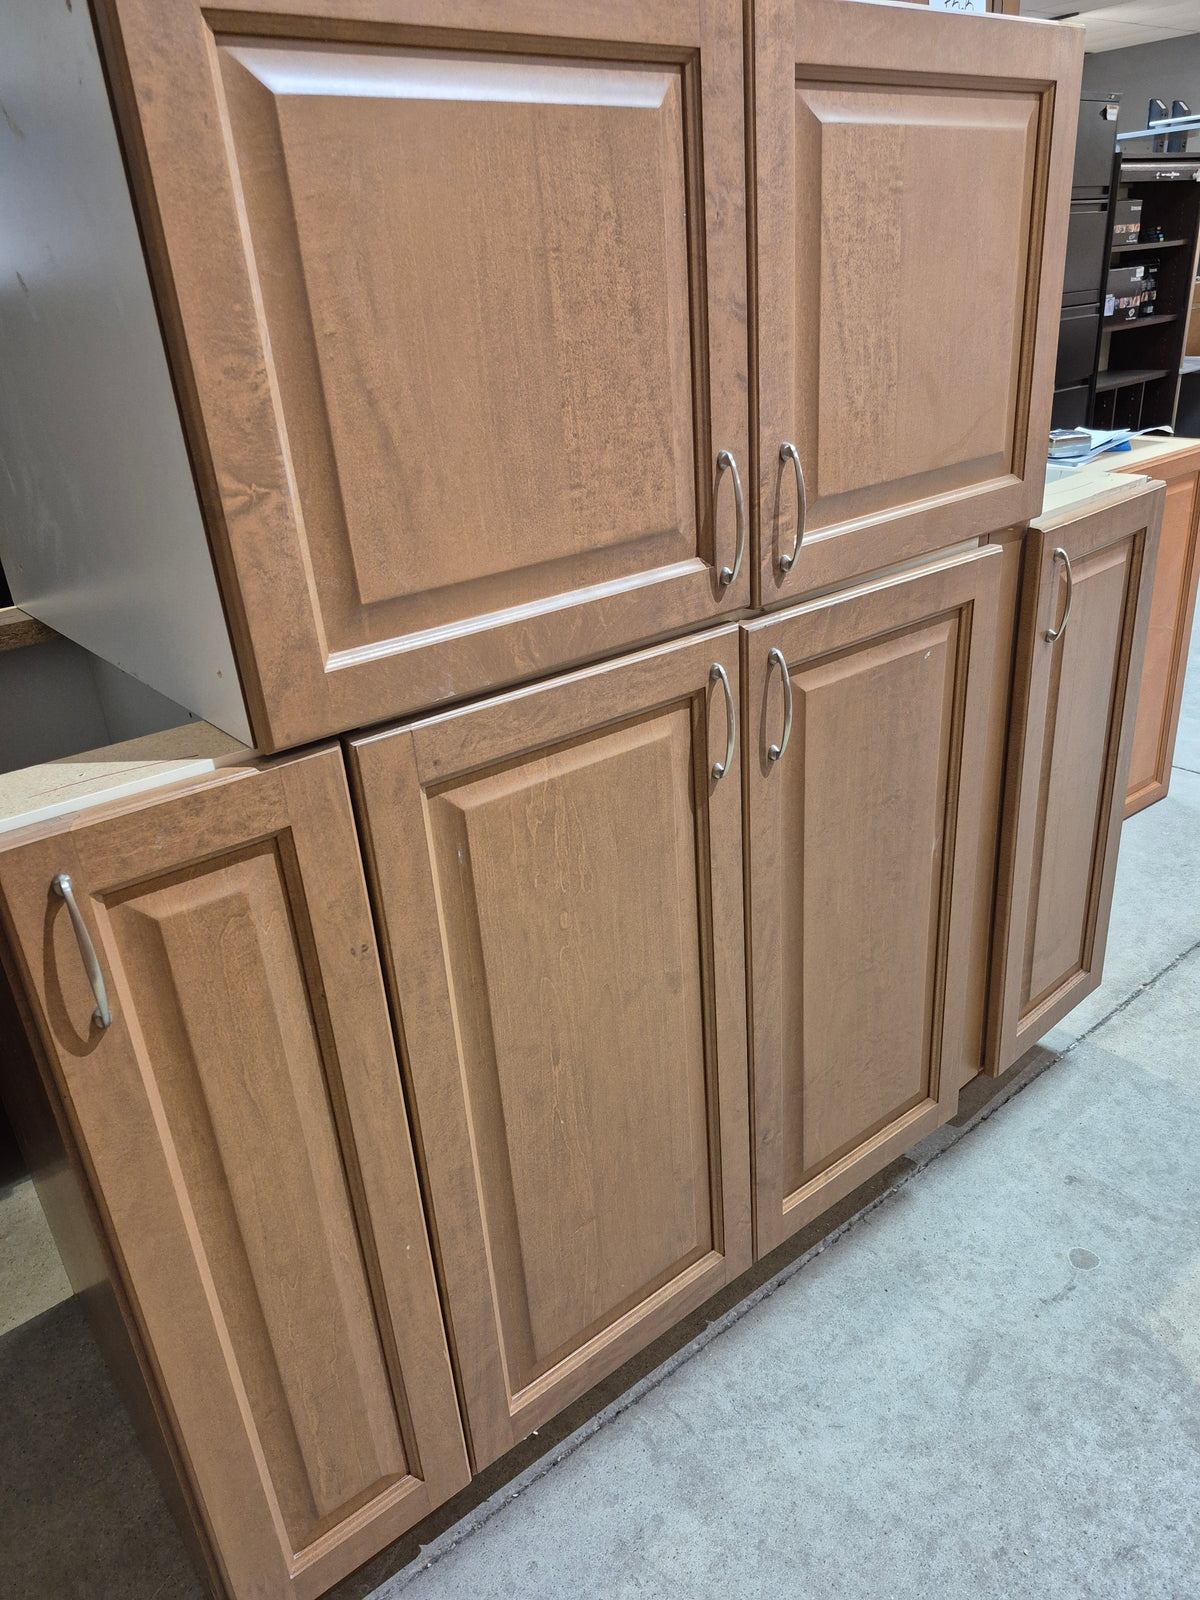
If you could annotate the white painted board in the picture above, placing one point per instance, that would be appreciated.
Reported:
(100, 529)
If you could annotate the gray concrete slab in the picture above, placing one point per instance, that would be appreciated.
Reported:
(1156, 903)
(1187, 738)
(988, 1387)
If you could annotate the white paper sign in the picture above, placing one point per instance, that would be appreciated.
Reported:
(979, 6)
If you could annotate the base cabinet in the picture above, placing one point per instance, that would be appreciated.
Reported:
(1086, 602)
(1172, 608)
(864, 733)
(243, 1129)
(559, 882)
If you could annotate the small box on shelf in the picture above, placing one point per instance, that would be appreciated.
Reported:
(1127, 222)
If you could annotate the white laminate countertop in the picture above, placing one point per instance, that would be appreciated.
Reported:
(1112, 476)
(58, 788)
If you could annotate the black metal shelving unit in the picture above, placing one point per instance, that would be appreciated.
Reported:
(1089, 237)
(1138, 359)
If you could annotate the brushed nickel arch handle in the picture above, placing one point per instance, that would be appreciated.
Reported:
(775, 658)
(788, 452)
(1056, 633)
(726, 463)
(102, 1016)
(717, 674)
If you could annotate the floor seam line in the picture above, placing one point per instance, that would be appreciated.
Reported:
(1142, 989)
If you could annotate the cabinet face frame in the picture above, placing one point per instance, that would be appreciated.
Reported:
(307, 673)
(1172, 612)
(249, 882)
(546, 749)
(829, 46)
(951, 607)
(1128, 531)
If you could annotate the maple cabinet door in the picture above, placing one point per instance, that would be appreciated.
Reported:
(863, 824)
(243, 1127)
(1172, 608)
(1075, 700)
(913, 178)
(559, 883)
(456, 294)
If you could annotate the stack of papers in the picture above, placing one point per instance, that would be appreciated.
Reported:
(1102, 440)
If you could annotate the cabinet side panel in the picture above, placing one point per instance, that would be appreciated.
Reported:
(1170, 615)
(100, 530)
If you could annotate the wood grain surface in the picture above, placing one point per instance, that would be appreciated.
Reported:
(1070, 743)
(912, 180)
(1172, 611)
(558, 877)
(456, 299)
(244, 1132)
(861, 861)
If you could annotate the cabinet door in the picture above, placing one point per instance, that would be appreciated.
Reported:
(1088, 583)
(913, 175)
(861, 849)
(1172, 608)
(243, 1125)
(559, 882)
(457, 297)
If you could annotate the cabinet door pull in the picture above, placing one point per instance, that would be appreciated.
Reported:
(726, 463)
(720, 768)
(102, 1016)
(788, 452)
(1056, 633)
(775, 658)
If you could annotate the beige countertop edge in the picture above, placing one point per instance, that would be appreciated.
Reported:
(75, 783)
(1087, 491)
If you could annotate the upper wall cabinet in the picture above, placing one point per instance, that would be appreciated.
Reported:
(913, 172)
(456, 299)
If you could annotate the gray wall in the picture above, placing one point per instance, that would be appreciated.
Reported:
(58, 700)
(1169, 69)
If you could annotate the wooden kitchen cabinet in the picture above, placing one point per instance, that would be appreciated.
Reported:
(1085, 612)
(558, 882)
(1172, 609)
(242, 1131)
(456, 302)
(865, 728)
(912, 179)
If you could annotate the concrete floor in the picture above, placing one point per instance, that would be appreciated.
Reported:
(988, 1385)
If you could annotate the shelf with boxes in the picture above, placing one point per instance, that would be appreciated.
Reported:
(1155, 218)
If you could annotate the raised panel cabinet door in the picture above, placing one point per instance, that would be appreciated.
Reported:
(913, 171)
(456, 298)
(865, 725)
(1172, 608)
(559, 884)
(243, 1127)
(1085, 611)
